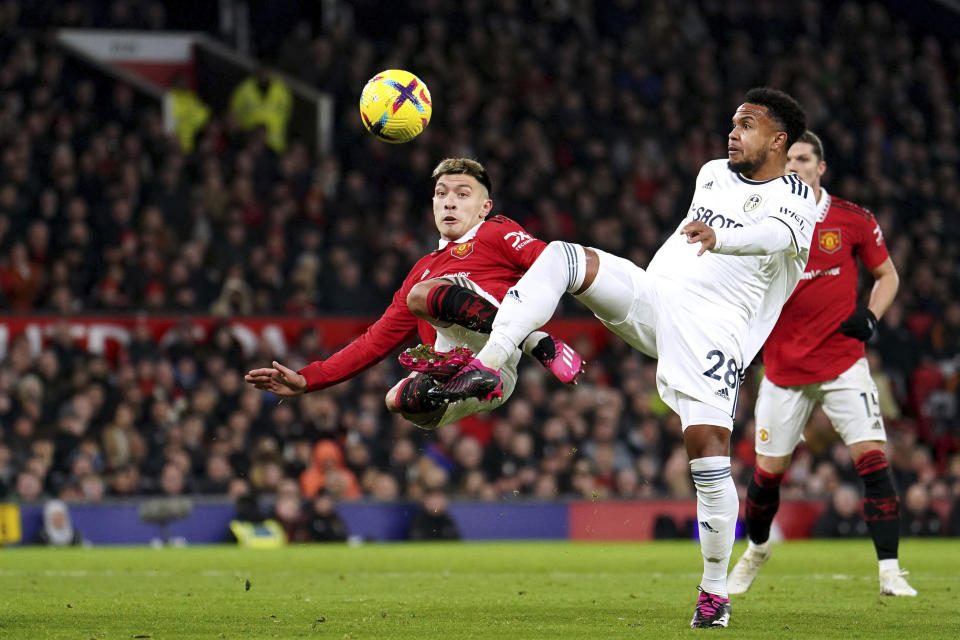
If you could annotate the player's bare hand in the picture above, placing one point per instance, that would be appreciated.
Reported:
(697, 231)
(279, 380)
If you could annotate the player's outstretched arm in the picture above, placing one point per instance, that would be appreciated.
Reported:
(279, 380)
(770, 236)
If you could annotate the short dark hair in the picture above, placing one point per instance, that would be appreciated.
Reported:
(814, 141)
(464, 166)
(783, 108)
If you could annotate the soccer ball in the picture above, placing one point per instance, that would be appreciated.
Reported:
(395, 106)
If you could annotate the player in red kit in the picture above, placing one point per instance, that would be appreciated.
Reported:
(450, 298)
(815, 355)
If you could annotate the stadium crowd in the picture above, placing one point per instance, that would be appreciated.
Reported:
(591, 123)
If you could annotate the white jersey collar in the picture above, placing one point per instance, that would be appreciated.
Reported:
(467, 236)
(824, 205)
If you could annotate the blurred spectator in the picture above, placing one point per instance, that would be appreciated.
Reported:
(172, 480)
(218, 476)
(431, 521)
(235, 299)
(101, 210)
(248, 507)
(385, 488)
(264, 100)
(327, 468)
(918, 518)
(20, 278)
(57, 529)
(184, 113)
(29, 487)
(953, 527)
(842, 518)
(289, 513)
(122, 443)
(92, 488)
(324, 523)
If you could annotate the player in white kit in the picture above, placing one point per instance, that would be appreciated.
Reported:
(704, 311)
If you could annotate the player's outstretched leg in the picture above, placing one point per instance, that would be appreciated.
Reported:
(460, 306)
(717, 507)
(881, 512)
(526, 307)
(763, 501)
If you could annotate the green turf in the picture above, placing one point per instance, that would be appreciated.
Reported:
(469, 590)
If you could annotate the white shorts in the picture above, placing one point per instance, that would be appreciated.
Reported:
(850, 401)
(457, 336)
(695, 412)
(696, 359)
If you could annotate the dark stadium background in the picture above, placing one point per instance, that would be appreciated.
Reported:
(592, 118)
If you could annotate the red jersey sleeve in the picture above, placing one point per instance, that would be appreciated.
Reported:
(395, 327)
(518, 247)
(872, 249)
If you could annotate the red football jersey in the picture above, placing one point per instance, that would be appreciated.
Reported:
(806, 345)
(494, 255)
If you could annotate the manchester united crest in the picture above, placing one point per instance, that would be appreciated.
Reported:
(829, 240)
(764, 435)
(461, 251)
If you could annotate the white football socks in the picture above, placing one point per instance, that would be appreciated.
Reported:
(717, 507)
(530, 303)
(890, 564)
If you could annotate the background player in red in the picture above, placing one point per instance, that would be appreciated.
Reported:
(815, 355)
(450, 297)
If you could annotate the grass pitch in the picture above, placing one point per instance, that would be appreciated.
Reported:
(463, 590)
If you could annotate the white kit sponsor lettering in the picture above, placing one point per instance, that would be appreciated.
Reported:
(816, 273)
(518, 239)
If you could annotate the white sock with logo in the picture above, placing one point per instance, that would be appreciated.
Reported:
(530, 303)
(717, 508)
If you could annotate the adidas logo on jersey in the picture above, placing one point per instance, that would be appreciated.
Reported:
(707, 185)
(877, 425)
(514, 294)
(722, 393)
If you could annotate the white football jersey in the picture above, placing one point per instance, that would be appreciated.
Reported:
(738, 297)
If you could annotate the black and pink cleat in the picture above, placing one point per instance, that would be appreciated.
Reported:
(712, 611)
(440, 365)
(560, 359)
(473, 381)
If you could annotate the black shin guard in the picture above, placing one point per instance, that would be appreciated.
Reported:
(461, 306)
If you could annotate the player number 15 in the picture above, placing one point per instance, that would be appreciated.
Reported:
(872, 404)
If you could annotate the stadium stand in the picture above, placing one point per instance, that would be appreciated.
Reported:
(591, 125)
